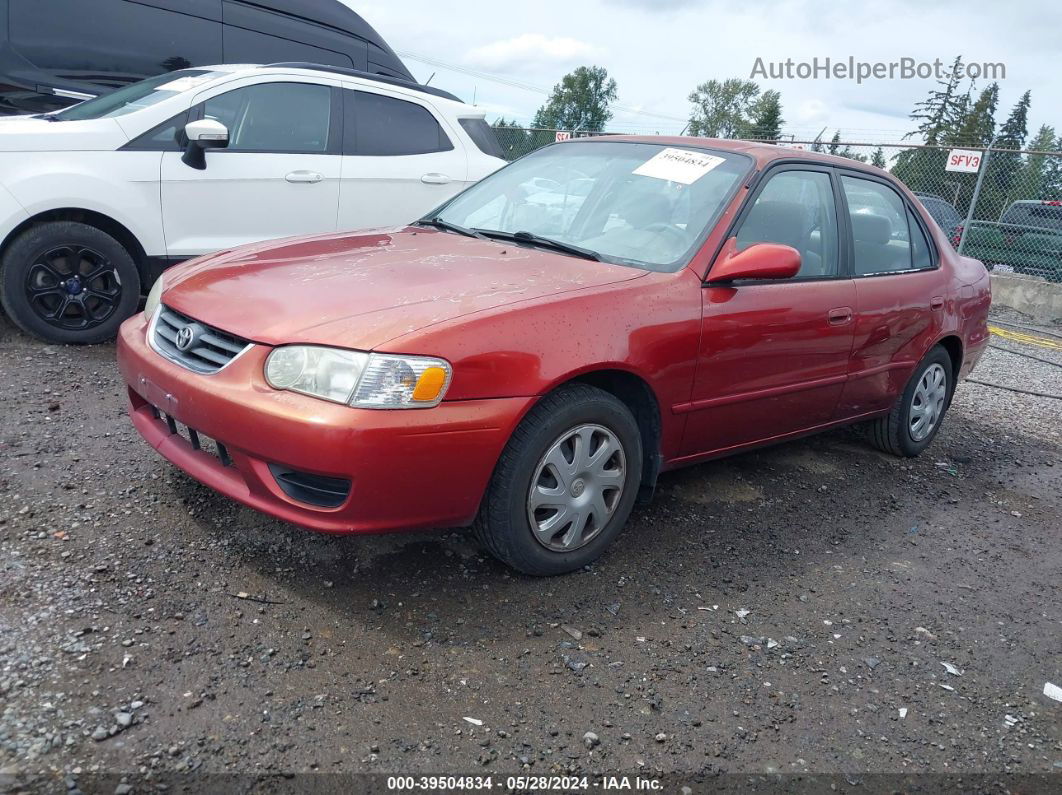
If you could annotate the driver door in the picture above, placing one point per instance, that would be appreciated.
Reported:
(278, 177)
(773, 355)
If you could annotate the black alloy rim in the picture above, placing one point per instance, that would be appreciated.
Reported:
(73, 287)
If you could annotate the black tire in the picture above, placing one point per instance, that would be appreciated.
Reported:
(892, 433)
(503, 525)
(88, 290)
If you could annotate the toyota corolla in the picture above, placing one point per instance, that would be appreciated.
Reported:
(528, 358)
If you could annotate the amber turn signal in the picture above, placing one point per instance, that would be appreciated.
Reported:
(429, 385)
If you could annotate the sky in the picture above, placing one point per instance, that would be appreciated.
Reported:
(506, 56)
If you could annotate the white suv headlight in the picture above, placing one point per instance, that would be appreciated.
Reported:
(154, 297)
(364, 380)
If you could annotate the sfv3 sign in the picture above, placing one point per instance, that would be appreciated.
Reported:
(965, 160)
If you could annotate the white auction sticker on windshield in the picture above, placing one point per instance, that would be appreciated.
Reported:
(678, 165)
(185, 83)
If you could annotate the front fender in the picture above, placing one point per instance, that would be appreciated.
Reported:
(649, 327)
(124, 186)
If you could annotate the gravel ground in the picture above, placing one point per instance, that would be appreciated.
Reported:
(817, 607)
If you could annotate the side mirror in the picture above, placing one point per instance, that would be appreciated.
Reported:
(758, 261)
(202, 135)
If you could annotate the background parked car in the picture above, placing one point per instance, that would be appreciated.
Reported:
(57, 52)
(294, 149)
(1028, 239)
(944, 213)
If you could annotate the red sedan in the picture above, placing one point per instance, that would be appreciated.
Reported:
(533, 354)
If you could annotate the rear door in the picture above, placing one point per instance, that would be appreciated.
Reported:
(400, 159)
(278, 177)
(899, 292)
(774, 354)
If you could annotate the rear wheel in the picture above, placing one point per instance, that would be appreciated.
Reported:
(908, 429)
(68, 282)
(565, 484)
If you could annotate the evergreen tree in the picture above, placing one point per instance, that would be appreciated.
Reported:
(834, 148)
(1052, 187)
(941, 112)
(938, 117)
(878, 158)
(1004, 166)
(1032, 180)
(978, 126)
(976, 129)
(580, 101)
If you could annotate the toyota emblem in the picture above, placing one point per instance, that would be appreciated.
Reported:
(184, 338)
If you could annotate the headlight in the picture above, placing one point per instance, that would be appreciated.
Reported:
(154, 296)
(378, 381)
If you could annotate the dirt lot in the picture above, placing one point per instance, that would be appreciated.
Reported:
(787, 611)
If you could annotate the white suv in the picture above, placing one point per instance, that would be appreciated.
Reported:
(96, 199)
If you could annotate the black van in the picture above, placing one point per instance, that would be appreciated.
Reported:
(57, 52)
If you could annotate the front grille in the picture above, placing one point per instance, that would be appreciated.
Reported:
(208, 350)
(319, 490)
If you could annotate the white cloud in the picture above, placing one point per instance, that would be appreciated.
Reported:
(811, 111)
(530, 49)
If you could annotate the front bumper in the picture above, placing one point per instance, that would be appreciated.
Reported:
(408, 468)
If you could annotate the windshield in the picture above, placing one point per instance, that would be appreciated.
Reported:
(136, 96)
(640, 204)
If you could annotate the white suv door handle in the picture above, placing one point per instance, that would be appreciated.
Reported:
(304, 176)
(435, 178)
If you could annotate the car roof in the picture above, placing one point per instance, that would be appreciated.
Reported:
(333, 71)
(762, 153)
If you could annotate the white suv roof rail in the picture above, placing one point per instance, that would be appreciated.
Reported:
(341, 70)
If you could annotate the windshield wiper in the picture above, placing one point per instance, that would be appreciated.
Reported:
(439, 223)
(545, 242)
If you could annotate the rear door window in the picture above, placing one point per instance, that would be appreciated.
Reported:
(886, 235)
(377, 125)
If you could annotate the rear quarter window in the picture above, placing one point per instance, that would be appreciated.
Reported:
(483, 136)
(1046, 216)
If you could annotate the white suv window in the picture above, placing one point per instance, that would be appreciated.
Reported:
(379, 126)
(274, 117)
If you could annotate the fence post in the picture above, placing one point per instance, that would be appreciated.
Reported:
(976, 195)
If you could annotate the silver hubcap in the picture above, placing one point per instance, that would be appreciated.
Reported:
(576, 487)
(927, 404)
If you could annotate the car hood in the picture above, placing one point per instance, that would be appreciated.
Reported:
(361, 290)
(35, 134)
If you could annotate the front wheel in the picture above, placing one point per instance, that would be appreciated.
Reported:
(908, 429)
(565, 484)
(66, 282)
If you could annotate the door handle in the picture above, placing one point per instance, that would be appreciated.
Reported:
(304, 176)
(840, 315)
(936, 302)
(435, 178)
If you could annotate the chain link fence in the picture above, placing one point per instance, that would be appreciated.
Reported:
(1004, 209)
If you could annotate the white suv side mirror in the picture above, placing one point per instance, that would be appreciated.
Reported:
(203, 134)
